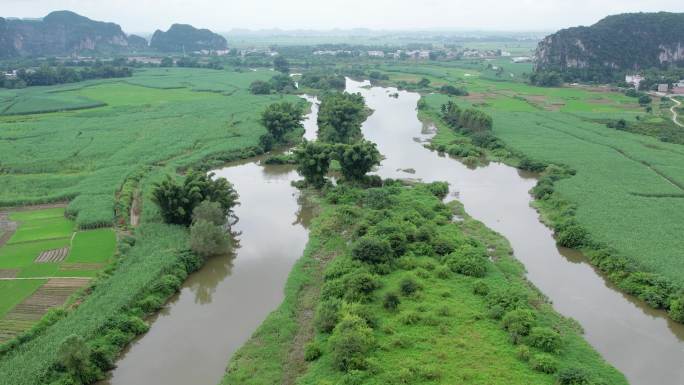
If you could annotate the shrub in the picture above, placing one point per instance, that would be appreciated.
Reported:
(372, 250)
(507, 299)
(408, 285)
(544, 363)
(524, 353)
(312, 351)
(677, 309)
(327, 315)
(443, 245)
(572, 236)
(545, 338)
(481, 288)
(357, 159)
(652, 288)
(350, 343)
(260, 87)
(391, 301)
(573, 376)
(359, 285)
(519, 322)
(74, 357)
(469, 265)
(438, 189)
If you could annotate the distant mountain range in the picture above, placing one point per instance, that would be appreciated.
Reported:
(67, 33)
(617, 43)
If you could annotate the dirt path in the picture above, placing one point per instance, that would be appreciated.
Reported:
(673, 109)
(34, 278)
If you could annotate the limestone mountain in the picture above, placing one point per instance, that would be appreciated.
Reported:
(617, 43)
(186, 38)
(59, 33)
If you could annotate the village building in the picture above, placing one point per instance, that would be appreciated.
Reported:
(634, 80)
(376, 53)
(663, 88)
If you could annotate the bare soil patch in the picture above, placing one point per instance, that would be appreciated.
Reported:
(52, 294)
(54, 255)
(8, 273)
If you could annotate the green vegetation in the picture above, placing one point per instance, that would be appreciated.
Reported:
(340, 117)
(94, 246)
(599, 173)
(614, 44)
(92, 153)
(390, 309)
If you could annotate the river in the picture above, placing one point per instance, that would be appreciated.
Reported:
(220, 306)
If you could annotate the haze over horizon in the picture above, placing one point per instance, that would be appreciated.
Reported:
(145, 16)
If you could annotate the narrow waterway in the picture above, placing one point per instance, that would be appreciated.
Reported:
(640, 342)
(220, 306)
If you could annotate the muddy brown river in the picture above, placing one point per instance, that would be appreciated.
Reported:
(220, 306)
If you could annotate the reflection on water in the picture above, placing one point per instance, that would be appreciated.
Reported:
(221, 305)
(638, 340)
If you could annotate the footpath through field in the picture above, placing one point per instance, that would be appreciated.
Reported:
(673, 109)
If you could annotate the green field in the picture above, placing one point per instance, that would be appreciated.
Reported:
(442, 333)
(13, 292)
(628, 189)
(155, 121)
(43, 230)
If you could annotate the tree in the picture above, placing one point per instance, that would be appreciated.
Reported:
(282, 83)
(281, 118)
(177, 201)
(74, 356)
(372, 250)
(207, 239)
(281, 64)
(340, 117)
(166, 62)
(209, 211)
(313, 161)
(357, 159)
(644, 100)
(424, 82)
(260, 87)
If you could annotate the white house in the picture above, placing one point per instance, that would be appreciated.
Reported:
(634, 80)
(376, 53)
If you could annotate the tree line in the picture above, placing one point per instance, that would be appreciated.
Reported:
(47, 75)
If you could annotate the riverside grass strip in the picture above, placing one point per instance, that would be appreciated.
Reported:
(608, 184)
(445, 326)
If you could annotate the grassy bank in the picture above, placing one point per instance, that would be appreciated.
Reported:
(444, 302)
(602, 173)
(158, 117)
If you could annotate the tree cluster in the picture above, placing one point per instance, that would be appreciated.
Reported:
(279, 120)
(47, 75)
(323, 81)
(178, 200)
(468, 120)
(356, 160)
(340, 117)
(280, 83)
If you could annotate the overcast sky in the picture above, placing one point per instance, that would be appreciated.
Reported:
(223, 15)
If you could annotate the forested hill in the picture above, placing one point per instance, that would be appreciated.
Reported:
(615, 44)
(184, 37)
(61, 33)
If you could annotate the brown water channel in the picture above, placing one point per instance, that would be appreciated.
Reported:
(640, 342)
(220, 306)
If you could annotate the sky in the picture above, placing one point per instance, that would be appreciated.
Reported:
(145, 16)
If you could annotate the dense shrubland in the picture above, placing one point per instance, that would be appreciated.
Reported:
(411, 297)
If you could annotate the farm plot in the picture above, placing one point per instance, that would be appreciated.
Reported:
(35, 275)
(85, 156)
